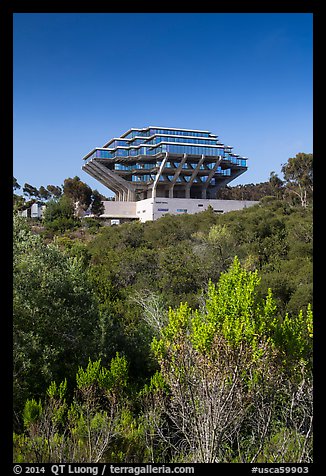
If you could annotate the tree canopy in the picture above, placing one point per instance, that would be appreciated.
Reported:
(79, 192)
(298, 174)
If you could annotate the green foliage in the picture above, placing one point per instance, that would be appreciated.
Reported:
(114, 378)
(249, 191)
(78, 191)
(294, 337)
(230, 351)
(230, 379)
(43, 193)
(92, 224)
(60, 215)
(224, 362)
(177, 256)
(74, 248)
(30, 191)
(230, 307)
(57, 391)
(97, 422)
(97, 207)
(284, 445)
(233, 311)
(19, 203)
(15, 184)
(55, 191)
(157, 383)
(298, 173)
(230, 310)
(55, 315)
(32, 412)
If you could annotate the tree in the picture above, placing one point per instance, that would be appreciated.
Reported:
(16, 184)
(43, 193)
(30, 191)
(276, 184)
(55, 191)
(97, 207)
(19, 203)
(79, 192)
(215, 249)
(245, 192)
(60, 215)
(298, 174)
(55, 314)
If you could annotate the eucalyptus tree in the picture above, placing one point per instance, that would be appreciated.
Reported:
(298, 174)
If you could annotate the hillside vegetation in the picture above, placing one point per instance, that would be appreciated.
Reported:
(187, 339)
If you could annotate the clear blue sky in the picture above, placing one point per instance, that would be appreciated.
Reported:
(81, 79)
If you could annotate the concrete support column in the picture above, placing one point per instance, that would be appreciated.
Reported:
(193, 176)
(91, 168)
(113, 180)
(176, 175)
(210, 176)
(131, 196)
(159, 173)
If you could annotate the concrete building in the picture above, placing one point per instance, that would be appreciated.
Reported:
(36, 210)
(164, 162)
(151, 209)
(158, 170)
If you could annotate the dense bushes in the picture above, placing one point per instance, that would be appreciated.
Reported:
(55, 314)
(229, 367)
(233, 385)
(176, 256)
(223, 375)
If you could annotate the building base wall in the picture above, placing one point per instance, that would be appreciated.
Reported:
(113, 209)
(152, 209)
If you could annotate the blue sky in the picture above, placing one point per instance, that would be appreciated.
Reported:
(81, 79)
